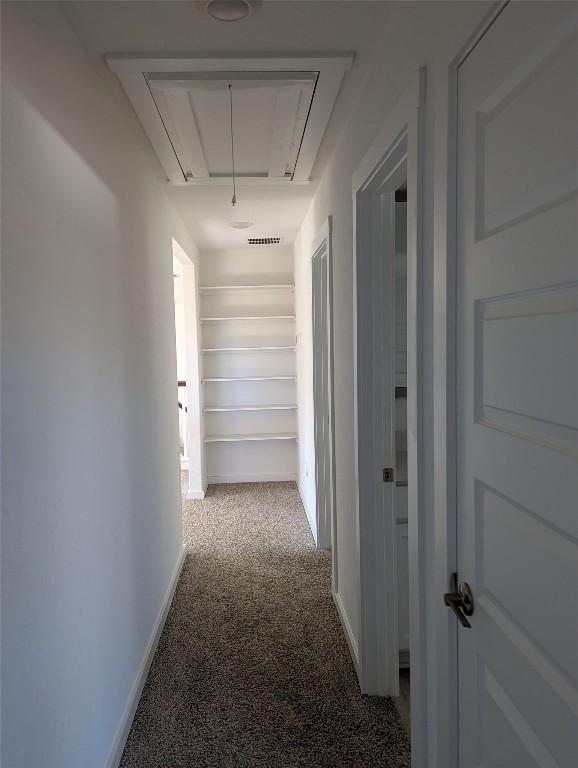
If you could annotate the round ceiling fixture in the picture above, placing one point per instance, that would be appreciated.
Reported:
(228, 10)
(241, 224)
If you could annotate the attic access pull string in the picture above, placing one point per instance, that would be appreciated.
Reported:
(234, 199)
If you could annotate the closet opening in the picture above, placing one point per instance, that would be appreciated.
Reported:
(389, 436)
(181, 353)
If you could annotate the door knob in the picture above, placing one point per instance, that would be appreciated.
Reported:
(460, 600)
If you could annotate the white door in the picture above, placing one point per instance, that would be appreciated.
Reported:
(517, 390)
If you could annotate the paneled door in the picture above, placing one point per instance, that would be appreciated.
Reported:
(517, 391)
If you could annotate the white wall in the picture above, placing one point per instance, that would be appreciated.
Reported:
(416, 34)
(91, 527)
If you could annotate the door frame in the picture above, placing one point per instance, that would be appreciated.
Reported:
(445, 696)
(196, 486)
(326, 525)
(402, 139)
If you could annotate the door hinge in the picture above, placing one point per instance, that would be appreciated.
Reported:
(388, 475)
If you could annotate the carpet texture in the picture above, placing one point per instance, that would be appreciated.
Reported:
(252, 669)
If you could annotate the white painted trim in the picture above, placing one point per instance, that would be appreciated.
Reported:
(326, 529)
(253, 478)
(195, 495)
(416, 446)
(330, 70)
(310, 517)
(290, 62)
(116, 750)
(184, 463)
(347, 630)
(323, 234)
(385, 138)
(135, 85)
(333, 484)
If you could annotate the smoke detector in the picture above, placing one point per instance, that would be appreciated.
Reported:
(228, 10)
(241, 224)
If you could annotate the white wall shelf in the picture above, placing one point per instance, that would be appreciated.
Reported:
(256, 437)
(246, 317)
(236, 288)
(247, 378)
(233, 408)
(217, 350)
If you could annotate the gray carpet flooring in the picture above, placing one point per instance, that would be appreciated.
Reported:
(252, 669)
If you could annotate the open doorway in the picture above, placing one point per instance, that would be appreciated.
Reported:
(382, 444)
(181, 351)
(389, 405)
(188, 373)
(399, 204)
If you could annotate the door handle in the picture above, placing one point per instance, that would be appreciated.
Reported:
(460, 600)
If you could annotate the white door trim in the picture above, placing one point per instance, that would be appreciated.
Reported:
(405, 125)
(326, 528)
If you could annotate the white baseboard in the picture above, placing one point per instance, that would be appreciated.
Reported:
(311, 519)
(256, 478)
(349, 636)
(191, 495)
(121, 736)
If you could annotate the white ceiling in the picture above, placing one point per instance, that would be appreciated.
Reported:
(277, 26)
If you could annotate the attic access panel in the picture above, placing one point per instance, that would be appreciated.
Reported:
(281, 108)
(269, 118)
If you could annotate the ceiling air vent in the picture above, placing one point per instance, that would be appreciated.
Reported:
(263, 240)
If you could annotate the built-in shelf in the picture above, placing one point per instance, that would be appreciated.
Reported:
(233, 288)
(245, 317)
(233, 408)
(257, 437)
(249, 378)
(247, 321)
(217, 350)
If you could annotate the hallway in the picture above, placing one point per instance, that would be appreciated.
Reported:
(252, 668)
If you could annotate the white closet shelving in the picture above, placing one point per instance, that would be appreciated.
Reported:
(271, 288)
(235, 319)
(248, 437)
(252, 378)
(213, 350)
(249, 382)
